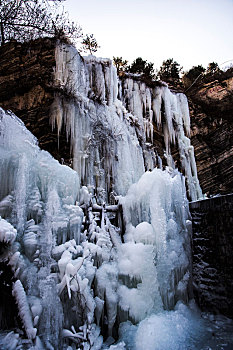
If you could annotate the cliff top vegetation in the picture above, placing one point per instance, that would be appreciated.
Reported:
(172, 73)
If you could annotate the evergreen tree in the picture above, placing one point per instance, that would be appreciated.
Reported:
(89, 44)
(169, 71)
(140, 66)
(212, 68)
(195, 73)
(120, 64)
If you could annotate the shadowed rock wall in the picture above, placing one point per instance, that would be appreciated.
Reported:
(212, 254)
(211, 111)
(27, 89)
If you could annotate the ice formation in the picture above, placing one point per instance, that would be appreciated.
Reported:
(99, 252)
(111, 123)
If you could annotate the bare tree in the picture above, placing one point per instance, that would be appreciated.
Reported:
(24, 20)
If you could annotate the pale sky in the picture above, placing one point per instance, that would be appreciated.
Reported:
(191, 32)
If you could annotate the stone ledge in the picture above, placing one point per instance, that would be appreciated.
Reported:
(208, 203)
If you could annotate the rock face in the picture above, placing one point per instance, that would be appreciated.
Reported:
(211, 110)
(27, 87)
(212, 254)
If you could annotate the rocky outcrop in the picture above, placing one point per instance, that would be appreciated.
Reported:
(27, 89)
(212, 254)
(211, 109)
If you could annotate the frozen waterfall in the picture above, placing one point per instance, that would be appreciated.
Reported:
(111, 123)
(99, 256)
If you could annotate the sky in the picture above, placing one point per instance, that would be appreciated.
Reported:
(192, 32)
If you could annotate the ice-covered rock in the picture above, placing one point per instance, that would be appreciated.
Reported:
(106, 242)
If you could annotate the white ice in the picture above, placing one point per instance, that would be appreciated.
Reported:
(109, 129)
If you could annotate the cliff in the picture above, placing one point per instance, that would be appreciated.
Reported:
(29, 89)
(26, 88)
(211, 111)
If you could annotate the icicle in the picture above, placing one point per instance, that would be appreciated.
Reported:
(21, 192)
(21, 299)
(185, 149)
(157, 104)
(56, 115)
(7, 232)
